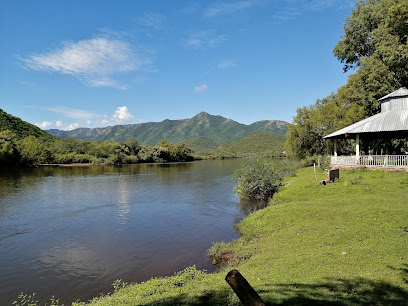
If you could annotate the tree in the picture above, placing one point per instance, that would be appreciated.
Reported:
(375, 43)
(133, 145)
(311, 124)
(9, 155)
(33, 152)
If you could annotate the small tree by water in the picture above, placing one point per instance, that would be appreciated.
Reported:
(260, 178)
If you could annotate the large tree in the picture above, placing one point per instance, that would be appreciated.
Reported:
(374, 44)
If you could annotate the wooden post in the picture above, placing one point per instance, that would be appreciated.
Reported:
(246, 294)
(314, 168)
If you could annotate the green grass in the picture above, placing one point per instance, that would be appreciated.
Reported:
(345, 243)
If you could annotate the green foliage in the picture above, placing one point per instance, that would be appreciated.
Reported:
(255, 144)
(34, 152)
(152, 290)
(30, 300)
(201, 146)
(9, 154)
(20, 128)
(119, 284)
(261, 178)
(311, 124)
(375, 42)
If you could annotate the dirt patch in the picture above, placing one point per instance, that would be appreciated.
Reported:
(228, 258)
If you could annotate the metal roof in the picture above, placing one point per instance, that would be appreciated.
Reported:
(389, 121)
(402, 92)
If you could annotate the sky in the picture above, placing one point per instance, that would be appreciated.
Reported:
(93, 63)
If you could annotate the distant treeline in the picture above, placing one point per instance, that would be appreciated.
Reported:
(33, 151)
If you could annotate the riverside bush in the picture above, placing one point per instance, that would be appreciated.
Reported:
(260, 178)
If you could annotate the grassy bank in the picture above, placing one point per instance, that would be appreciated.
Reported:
(341, 244)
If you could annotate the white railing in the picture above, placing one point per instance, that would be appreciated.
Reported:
(371, 160)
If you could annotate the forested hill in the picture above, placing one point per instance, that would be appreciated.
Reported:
(19, 127)
(254, 144)
(203, 126)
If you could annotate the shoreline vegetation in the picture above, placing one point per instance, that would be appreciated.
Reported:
(32, 151)
(345, 243)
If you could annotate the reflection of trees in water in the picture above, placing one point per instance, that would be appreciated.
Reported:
(247, 207)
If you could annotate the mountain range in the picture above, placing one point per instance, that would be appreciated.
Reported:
(203, 127)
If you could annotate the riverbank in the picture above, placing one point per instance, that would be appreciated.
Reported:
(345, 243)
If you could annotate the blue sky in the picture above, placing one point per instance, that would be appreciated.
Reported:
(91, 63)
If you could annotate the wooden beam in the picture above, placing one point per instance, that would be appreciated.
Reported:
(246, 294)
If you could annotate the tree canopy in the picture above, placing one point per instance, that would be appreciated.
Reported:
(375, 44)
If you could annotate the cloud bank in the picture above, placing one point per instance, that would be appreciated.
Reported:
(94, 62)
(121, 115)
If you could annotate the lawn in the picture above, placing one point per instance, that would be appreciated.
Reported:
(345, 243)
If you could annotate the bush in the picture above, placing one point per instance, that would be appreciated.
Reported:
(261, 178)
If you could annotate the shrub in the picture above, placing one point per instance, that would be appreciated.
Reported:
(261, 178)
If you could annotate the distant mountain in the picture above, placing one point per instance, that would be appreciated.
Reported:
(20, 128)
(202, 127)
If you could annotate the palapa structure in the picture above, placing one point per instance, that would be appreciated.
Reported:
(390, 123)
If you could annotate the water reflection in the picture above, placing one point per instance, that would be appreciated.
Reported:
(123, 199)
(71, 231)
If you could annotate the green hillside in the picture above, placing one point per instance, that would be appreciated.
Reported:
(203, 128)
(19, 127)
(201, 146)
(255, 143)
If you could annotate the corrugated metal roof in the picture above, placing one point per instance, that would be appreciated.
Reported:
(402, 92)
(389, 121)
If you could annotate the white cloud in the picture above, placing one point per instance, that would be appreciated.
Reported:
(105, 120)
(94, 61)
(200, 88)
(290, 9)
(44, 124)
(122, 115)
(153, 20)
(67, 127)
(204, 40)
(228, 8)
(225, 64)
(72, 113)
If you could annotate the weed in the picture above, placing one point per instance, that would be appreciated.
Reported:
(30, 300)
(356, 180)
(119, 284)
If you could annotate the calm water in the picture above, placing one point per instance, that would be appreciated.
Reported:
(70, 232)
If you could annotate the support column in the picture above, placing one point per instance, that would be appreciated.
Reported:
(335, 146)
(357, 145)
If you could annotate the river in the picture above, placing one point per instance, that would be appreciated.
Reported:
(72, 231)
